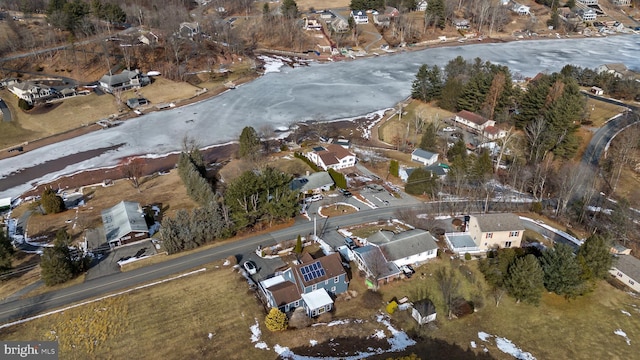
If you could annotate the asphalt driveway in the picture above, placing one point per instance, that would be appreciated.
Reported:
(6, 113)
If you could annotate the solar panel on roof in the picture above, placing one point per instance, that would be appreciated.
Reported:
(312, 271)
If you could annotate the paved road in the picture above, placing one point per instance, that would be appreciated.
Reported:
(6, 113)
(19, 309)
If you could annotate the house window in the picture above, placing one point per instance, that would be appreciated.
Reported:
(513, 233)
(507, 244)
(619, 274)
(336, 279)
(297, 303)
(326, 282)
(489, 235)
(320, 310)
(333, 289)
(314, 287)
(632, 282)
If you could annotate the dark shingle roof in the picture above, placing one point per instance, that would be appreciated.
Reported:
(499, 222)
(629, 265)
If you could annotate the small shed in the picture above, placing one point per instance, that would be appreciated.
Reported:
(423, 311)
(5, 204)
(424, 157)
(596, 90)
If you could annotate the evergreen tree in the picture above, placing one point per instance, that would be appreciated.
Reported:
(421, 182)
(51, 202)
(394, 168)
(459, 148)
(450, 95)
(289, 9)
(6, 251)
(525, 280)
(249, 143)
(562, 272)
(435, 14)
(276, 320)
(595, 258)
(429, 140)
(428, 83)
(298, 248)
(56, 264)
(482, 166)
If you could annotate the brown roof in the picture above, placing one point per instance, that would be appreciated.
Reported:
(328, 158)
(491, 130)
(473, 117)
(333, 154)
(332, 267)
(284, 293)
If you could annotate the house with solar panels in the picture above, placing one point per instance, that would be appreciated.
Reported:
(312, 284)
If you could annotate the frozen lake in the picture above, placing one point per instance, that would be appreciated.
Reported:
(320, 91)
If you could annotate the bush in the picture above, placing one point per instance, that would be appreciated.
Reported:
(51, 202)
(338, 178)
(467, 256)
(24, 105)
(276, 320)
(536, 207)
(392, 307)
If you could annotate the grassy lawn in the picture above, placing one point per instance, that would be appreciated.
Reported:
(628, 186)
(600, 111)
(396, 128)
(163, 90)
(337, 210)
(363, 231)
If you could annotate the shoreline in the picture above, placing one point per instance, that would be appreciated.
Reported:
(217, 149)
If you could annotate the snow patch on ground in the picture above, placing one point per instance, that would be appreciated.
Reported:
(484, 336)
(313, 342)
(473, 344)
(262, 345)
(379, 334)
(506, 346)
(271, 64)
(625, 312)
(619, 332)
(255, 332)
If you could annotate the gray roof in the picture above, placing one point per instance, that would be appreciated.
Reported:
(460, 242)
(370, 253)
(406, 244)
(628, 265)
(117, 79)
(123, 218)
(95, 237)
(313, 181)
(425, 307)
(499, 222)
(423, 153)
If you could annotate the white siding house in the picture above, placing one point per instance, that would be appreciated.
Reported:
(626, 268)
(424, 157)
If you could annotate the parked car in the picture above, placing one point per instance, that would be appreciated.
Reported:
(251, 268)
(316, 197)
(407, 270)
(350, 243)
(345, 192)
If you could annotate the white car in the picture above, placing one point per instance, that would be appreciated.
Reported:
(316, 197)
(251, 268)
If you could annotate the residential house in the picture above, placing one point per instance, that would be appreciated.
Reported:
(391, 12)
(124, 223)
(588, 2)
(312, 183)
(493, 133)
(424, 157)
(136, 102)
(422, 5)
(371, 260)
(311, 24)
(331, 156)
(339, 24)
(408, 247)
(423, 311)
(622, 2)
(311, 284)
(345, 143)
(587, 15)
(473, 122)
(626, 268)
(438, 170)
(521, 9)
(189, 30)
(359, 16)
(596, 90)
(485, 232)
(381, 20)
(5, 204)
(461, 24)
(327, 15)
(126, 80)
(31, 92)
(618, 249)
(618, 70)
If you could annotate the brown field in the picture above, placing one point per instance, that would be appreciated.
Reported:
(163, 90)
(395, 127)
(167, 190)
(304, 5)
(218, 302)
(628, 186)
(337, 210)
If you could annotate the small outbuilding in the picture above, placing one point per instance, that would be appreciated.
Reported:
(596, 90)
(423, 311)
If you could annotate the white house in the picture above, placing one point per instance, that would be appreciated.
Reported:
(596, 90)
(588, 2)
(408, 247)
(521, 9)
(333, 156)
(189, 30)
(626, 268)
(493, 133)
(461, 24)
(422, 5)
(622, 2)
(618, 70)
(423, 311)
(359, 16)
(587, 15)
(31, 92)
(127, 79)
(424, 157)
(473, 122)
